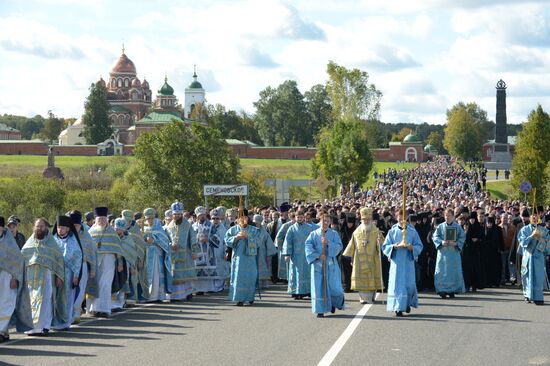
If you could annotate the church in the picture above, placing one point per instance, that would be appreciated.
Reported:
(132, 109)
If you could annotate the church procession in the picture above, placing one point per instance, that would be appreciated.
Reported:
(427, 229)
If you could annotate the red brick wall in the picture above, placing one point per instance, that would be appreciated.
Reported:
(245, 151)
(394, 153)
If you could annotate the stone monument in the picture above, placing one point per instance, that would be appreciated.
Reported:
(501, 158)
(51, 170)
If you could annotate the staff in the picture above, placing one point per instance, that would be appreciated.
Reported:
(380, 264)
(324, 243)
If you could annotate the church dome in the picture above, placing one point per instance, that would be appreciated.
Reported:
(145, 84)
(136, 83)
(166, 89)
(195, 84)
(411, 137)
(430, 149)
(124, 64)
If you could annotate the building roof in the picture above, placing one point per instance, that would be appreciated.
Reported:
(235, 142)
(166, 89)
(195, 84)
(160, 117)
(430, 148)
(124, 64)
(512, 140)
(411, 137)
(120, 109)
(6, 128)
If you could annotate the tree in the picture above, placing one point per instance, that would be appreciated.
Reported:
(199, 112)
(281, 116)
(351, 94)
(52, 128)
(97, 127)
(464, 133)
(532, 154)
(402, 134)
(175, 161)
(343, 153)
(318, 107)
(231, 124)
(375, 134)
(434, 139)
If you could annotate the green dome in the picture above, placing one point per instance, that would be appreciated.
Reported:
(430, 149)
(166, 89)
(411, 138)
(195, 84)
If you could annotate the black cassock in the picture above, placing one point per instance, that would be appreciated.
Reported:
(474, 275)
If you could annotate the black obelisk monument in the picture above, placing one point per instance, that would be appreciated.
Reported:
(499, 150)
(501, 134)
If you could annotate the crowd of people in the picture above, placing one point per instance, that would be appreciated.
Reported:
(431, 228)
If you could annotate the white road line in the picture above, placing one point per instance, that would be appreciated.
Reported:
(329, 357)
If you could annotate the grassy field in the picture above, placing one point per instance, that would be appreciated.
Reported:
(301, 169)
(500, 189)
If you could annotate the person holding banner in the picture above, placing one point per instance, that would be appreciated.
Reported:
(449, 240)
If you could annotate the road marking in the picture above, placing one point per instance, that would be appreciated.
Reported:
(329, 357)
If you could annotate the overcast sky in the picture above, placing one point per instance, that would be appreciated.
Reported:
(424, 56)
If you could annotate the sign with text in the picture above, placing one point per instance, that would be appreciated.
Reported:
(226, 190)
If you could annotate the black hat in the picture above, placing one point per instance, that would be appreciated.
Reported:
(285, 207)
(138, 215)
(2, 221)
(76, 217)
(101, 211)
(111, 217)
(386, 214)
(491, 220)
(334, 220)
(413, 217)
(525, 213)
(351, 219)
(63, 220)
(473, 215)
(516, 221)
(464, 210)
(439, 220)
(89, 216)
(376, 216)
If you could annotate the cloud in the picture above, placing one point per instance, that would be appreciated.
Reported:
(252, 56)
(258, 20)
(389, 58)
(526, 25)
(32, 38)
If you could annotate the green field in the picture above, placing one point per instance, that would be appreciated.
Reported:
(499, 189)
(24, 165)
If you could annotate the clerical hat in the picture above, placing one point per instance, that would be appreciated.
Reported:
(63, 220)
(101, 211)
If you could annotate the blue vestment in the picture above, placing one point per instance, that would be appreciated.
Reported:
(448, 267)
(533, 275)
(244, 263)
(402, 291)
(334, 291)
(299, 276)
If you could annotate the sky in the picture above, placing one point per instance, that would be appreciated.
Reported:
(423, 55)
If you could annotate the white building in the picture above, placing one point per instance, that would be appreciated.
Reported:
(73, 135)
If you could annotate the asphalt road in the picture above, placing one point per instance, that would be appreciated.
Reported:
(490, 327)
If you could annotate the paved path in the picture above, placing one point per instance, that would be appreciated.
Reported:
(490, 327)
